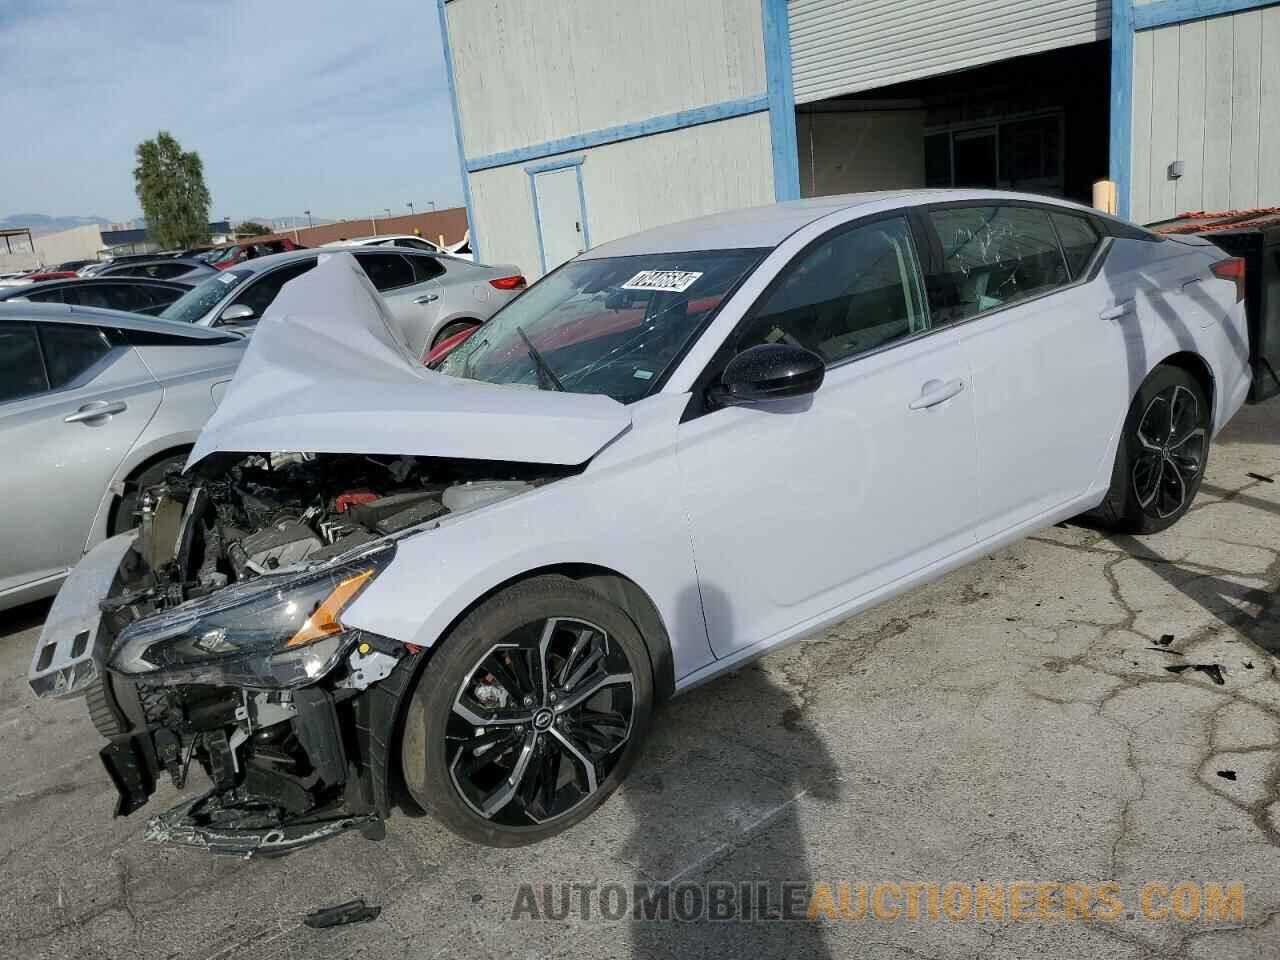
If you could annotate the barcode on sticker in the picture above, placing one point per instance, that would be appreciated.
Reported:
(671, 281)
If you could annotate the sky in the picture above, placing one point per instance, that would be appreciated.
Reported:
(331, 106)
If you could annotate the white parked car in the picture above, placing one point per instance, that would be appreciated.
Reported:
(410, 241)
(671, 455)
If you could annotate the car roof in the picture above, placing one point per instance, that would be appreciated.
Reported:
(183, 261)
(100, 317)
(258, 264)
(379, 236)
(768, 226)
(11, 293)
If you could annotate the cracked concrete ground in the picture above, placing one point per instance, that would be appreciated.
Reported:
(1014, 721)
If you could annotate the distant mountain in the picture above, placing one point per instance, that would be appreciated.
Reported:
(41, 223)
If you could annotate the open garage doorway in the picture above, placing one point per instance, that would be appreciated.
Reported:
(1036, 123)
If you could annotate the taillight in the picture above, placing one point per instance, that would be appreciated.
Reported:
(1232, 269)
(516, 282)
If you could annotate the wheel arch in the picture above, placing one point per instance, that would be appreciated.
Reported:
(1194, 364)
(137, 469)
(467, 318)
(382, 716)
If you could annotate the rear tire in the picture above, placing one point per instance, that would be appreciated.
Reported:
(1162, 453)
(452, 329)
(529, 714)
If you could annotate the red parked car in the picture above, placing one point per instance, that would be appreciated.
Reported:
(229, 256)
(50, 275)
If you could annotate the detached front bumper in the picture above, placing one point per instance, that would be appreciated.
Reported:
(70, 656)
(288, 768)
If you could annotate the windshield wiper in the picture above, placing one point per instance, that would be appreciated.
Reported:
(539, 362)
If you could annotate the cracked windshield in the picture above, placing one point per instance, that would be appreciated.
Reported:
(612, 326)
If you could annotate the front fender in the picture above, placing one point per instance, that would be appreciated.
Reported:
(622, 514)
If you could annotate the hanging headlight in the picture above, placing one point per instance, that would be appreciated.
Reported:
(275, 631)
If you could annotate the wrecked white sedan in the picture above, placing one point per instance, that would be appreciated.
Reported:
(669, 456)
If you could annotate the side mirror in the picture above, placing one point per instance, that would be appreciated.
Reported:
(236, 313)
(770, 371)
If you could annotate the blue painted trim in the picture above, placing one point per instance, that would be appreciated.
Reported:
(533, 172)
(782, 99)
(457, 133)
(1163, 13)
(623, 131)
(1121, 145)
(537, 222)
(555, 165)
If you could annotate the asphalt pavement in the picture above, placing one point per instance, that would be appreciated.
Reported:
(1015, 722)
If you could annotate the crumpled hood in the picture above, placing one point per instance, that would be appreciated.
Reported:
(326, 372)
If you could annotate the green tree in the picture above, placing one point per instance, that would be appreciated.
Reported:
(251, 229)
(170, 187)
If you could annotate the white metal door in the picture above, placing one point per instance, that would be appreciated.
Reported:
(561, 230)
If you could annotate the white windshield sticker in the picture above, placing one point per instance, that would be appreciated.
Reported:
(227, 278)
(672, 281)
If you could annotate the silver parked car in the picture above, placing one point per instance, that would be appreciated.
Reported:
(432, 297)
(94, 406)
(132, 294)
(160, 268)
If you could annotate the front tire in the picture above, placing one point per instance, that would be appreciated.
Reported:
(529, 714)
(1161, 457)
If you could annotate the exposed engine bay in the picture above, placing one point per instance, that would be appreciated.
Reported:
(225, 652)
(200, 532)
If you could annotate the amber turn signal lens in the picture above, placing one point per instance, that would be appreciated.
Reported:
(324, 621)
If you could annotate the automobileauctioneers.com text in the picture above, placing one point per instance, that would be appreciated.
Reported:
(879, 901)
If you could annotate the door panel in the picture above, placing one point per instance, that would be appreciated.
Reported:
(803, 505)
(561, 225)
(1049, 381)
(60, 470)
(1047, 368)
(800, 506)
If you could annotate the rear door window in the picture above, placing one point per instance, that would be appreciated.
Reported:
(46, 296)
(992, 256)
(1079, 240)
(386, 270)
(70, 350)
(425, 268)
(21, 366)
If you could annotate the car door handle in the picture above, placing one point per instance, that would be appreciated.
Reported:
(426, 298)
(935, 392)
(1118, 312)
(95, 411)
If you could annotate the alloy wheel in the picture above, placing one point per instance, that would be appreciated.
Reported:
(540, 721)
(1170, 455)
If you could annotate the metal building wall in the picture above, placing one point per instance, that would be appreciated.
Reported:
(633, 185)
(1206, 92)
(527, 72)
(665, 103)
(846, 46)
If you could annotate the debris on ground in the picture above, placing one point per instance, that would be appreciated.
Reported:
(1258, 476)
(1248, 664)
(1165, 639)
(355, 911)
(1227, 774)
(1211, 670)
